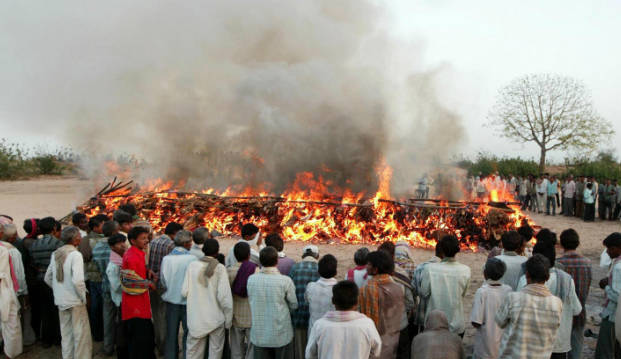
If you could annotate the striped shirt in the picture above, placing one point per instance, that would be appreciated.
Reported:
(158, 249)
(579, 267)
(272, 296)
(303, 273)
(531, 318)
(41, 253)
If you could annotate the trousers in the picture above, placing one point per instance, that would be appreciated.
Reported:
(158, 311)
(577, 342)
(285, 352)
(139, 334)
(50, 326)
(607, 346)
(95, 310)
(175, 315)
(75, 332)
(241, 347)
(109, 323)
(196, 346)
(300, 338)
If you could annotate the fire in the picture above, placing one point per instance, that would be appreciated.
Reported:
(308, 211)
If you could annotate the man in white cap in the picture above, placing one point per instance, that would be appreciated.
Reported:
(303, 273)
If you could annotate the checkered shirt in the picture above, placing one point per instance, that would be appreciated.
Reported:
(158, 249)
(303, 273)
(579, 267)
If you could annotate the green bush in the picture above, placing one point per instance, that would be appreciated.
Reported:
(604, 166)
(16, 161)
(487, 164)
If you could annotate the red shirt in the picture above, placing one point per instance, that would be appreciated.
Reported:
(135, 306)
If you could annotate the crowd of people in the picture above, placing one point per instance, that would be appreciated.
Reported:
(569, 196)
(112, 280)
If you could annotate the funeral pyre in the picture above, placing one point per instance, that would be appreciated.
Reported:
(309, 214)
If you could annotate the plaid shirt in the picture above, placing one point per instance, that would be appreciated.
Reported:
(368, 298)
(101, 257)
(579, 267)
(158, 249)
(303, 273)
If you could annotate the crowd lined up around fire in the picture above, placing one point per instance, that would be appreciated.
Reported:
(572, 197)
(113, 280)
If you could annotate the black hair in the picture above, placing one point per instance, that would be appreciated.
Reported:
(449, 245)
(387, 247)
(526, 232)
(268, 257)
(570, 239)
(136, 231)
(94, 221)
(116, 238)
(613, 240)
(172, 228)
(129, 208)
(221, 259)
(327, 266)
(538, 268)
(546, 248)
(249, 229)
(47, 225)
(241, 251)
(122, 217)
(274, 240)
(547, 236)
(360, 257)
(109, 227)
(58, 226)
(494, 269)
(345, 295)
(77, 218)
(382, 261)
(211, 247)
(28, 225)
(511, 240)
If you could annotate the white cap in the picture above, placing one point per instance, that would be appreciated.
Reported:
(312, 248)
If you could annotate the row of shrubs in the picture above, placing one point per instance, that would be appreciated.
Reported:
(18, 161)
(603, 166)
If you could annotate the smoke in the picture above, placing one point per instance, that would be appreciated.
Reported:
(246, 92)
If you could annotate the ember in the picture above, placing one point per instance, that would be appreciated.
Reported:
(312, 213)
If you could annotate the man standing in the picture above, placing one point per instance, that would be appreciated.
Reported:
(611, 199)
(579, 267)
(93, 274)
(9, 308)
(172, 275)
(158, 249)
(382, 300)
(569, 196)
(199, 236)
(319, 294)
(512, 242)
(251, 235)
(135, 303)
(607, 345)
(65, 275)
(446, 284)
(551, 196)
(101, 258)
(579, 206)
(601, 199)
(272, 296)
(530, 317)
(421, 309)
(542, 190)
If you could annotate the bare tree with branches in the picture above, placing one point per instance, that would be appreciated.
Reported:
(553, 111)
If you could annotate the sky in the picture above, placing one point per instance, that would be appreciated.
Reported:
(476, 47)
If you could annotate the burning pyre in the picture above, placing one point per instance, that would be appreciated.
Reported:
(309, 214)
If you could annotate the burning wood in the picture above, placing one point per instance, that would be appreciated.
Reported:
(350, 219)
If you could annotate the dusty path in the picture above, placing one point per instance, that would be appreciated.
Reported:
(58, 196)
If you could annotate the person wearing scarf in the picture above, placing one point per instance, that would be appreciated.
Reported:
(344, 332)
(172, 274)
(358, 274)
(242, 318)
(530, 317)
(382, 300)
(9, 309)
(65, 275)
(209, 300)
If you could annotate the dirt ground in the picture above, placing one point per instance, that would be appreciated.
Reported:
(58, 196)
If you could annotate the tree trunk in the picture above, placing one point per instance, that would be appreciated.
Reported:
(542, 161)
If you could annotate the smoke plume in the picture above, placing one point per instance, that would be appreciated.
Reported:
(241, 92)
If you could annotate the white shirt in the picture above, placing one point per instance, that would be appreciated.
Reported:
(18, 269)
(113, 272)
(318, 295)
(571, 308)
(172, 274)
(513, 261)
(211, 306)
(355, 339)
(487, 300)
(72, 291)
(230, 259)
(197, 250)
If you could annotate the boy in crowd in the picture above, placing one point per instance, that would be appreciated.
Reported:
(319, 294)
(579, 267)
(487, 300)
(607, 345)
(344, 332)
(446, 284)
(124, 220)
(172, 274)
(381, 288)
(209, 301)
(530, 317)
(512, 242)
(272, 296)
(251, 235)
(113, 331)
(284, 263)
(135, 303)
(242, 318)
(80, 221)
(101, 258)
(65, 275)
(358, 274)
(303, 273)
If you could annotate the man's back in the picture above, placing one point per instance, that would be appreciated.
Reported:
(41, 252)
(513, 261)
(343, 334)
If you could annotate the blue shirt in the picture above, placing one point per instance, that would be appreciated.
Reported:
(552, 188)
(172, 274)
(303, 273)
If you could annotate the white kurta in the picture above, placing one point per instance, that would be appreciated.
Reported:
(9, 307)
(355, 339)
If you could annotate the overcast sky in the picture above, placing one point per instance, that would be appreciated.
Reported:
(479, 45)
